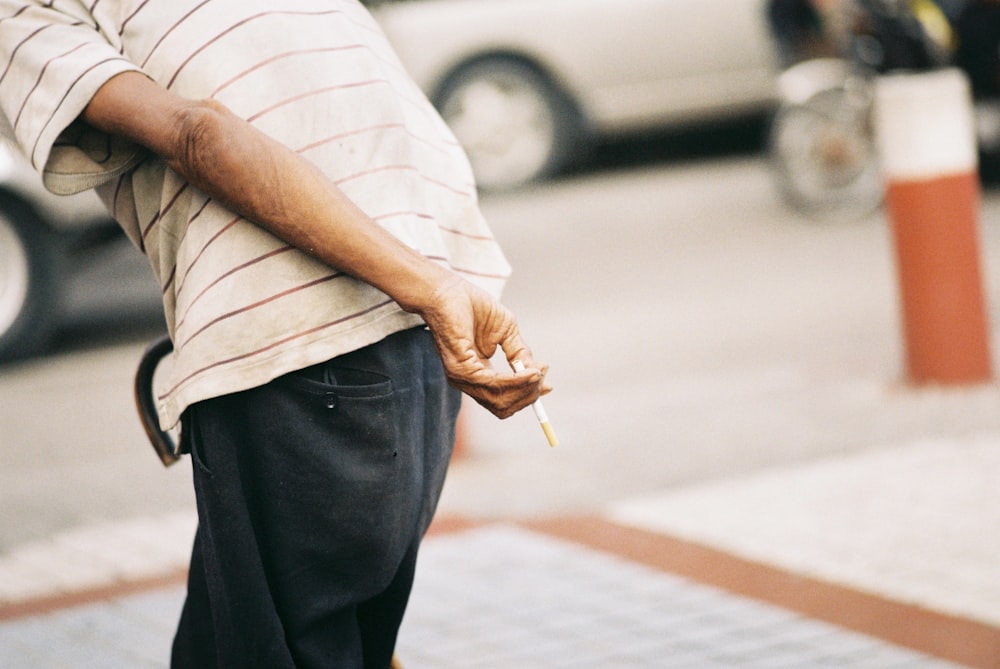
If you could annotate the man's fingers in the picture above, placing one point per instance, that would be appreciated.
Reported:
(503, 407)
(504, 394)
(468, 330)
(514, 348)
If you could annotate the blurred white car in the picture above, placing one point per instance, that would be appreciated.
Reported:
(527, 85)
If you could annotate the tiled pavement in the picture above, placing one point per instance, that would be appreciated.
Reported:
(838, 563)
(506, 597)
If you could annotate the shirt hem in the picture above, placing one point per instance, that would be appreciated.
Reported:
(294, 356)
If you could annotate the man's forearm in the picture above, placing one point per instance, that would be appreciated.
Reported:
(266, 182)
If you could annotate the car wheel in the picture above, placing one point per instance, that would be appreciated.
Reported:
(824, 155)
(28, 281)
(515, 125)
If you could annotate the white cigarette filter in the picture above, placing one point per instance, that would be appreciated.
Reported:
(543, 418)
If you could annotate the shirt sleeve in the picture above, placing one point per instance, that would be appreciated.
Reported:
(53, 59)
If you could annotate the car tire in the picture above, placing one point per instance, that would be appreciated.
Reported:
(29, 279)
(824, 157)
(514, 123)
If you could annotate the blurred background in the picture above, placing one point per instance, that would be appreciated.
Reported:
(688, 191)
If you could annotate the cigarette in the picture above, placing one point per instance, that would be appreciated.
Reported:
(543, 418)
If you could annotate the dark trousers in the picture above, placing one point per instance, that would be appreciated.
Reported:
(313, 494)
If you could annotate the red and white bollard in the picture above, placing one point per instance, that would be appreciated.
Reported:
(925, 128)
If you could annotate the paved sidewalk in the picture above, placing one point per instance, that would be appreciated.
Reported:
(505, 597)
(787, 568)
(917, 524)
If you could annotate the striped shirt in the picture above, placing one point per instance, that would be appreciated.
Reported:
(242, 306)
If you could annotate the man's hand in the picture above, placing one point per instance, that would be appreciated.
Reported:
(279, 190)
(468, 326)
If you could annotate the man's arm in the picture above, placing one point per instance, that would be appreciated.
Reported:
(267, 183)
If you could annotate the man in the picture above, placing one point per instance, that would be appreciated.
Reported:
(315, 230)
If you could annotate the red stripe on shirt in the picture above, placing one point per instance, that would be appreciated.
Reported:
(410, 168)
(287, 54)
(170, 30)
(214, 238)
(259, 303)
(69, 90)
(38, 81)
(239, 24)
(274, 344)
(231, 272)
(162, 212)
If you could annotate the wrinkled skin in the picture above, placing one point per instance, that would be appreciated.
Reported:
(284, 193)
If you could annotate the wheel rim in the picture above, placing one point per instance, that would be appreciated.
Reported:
(828, 160)
(828, 155)
(14, 273)
(506, 126)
